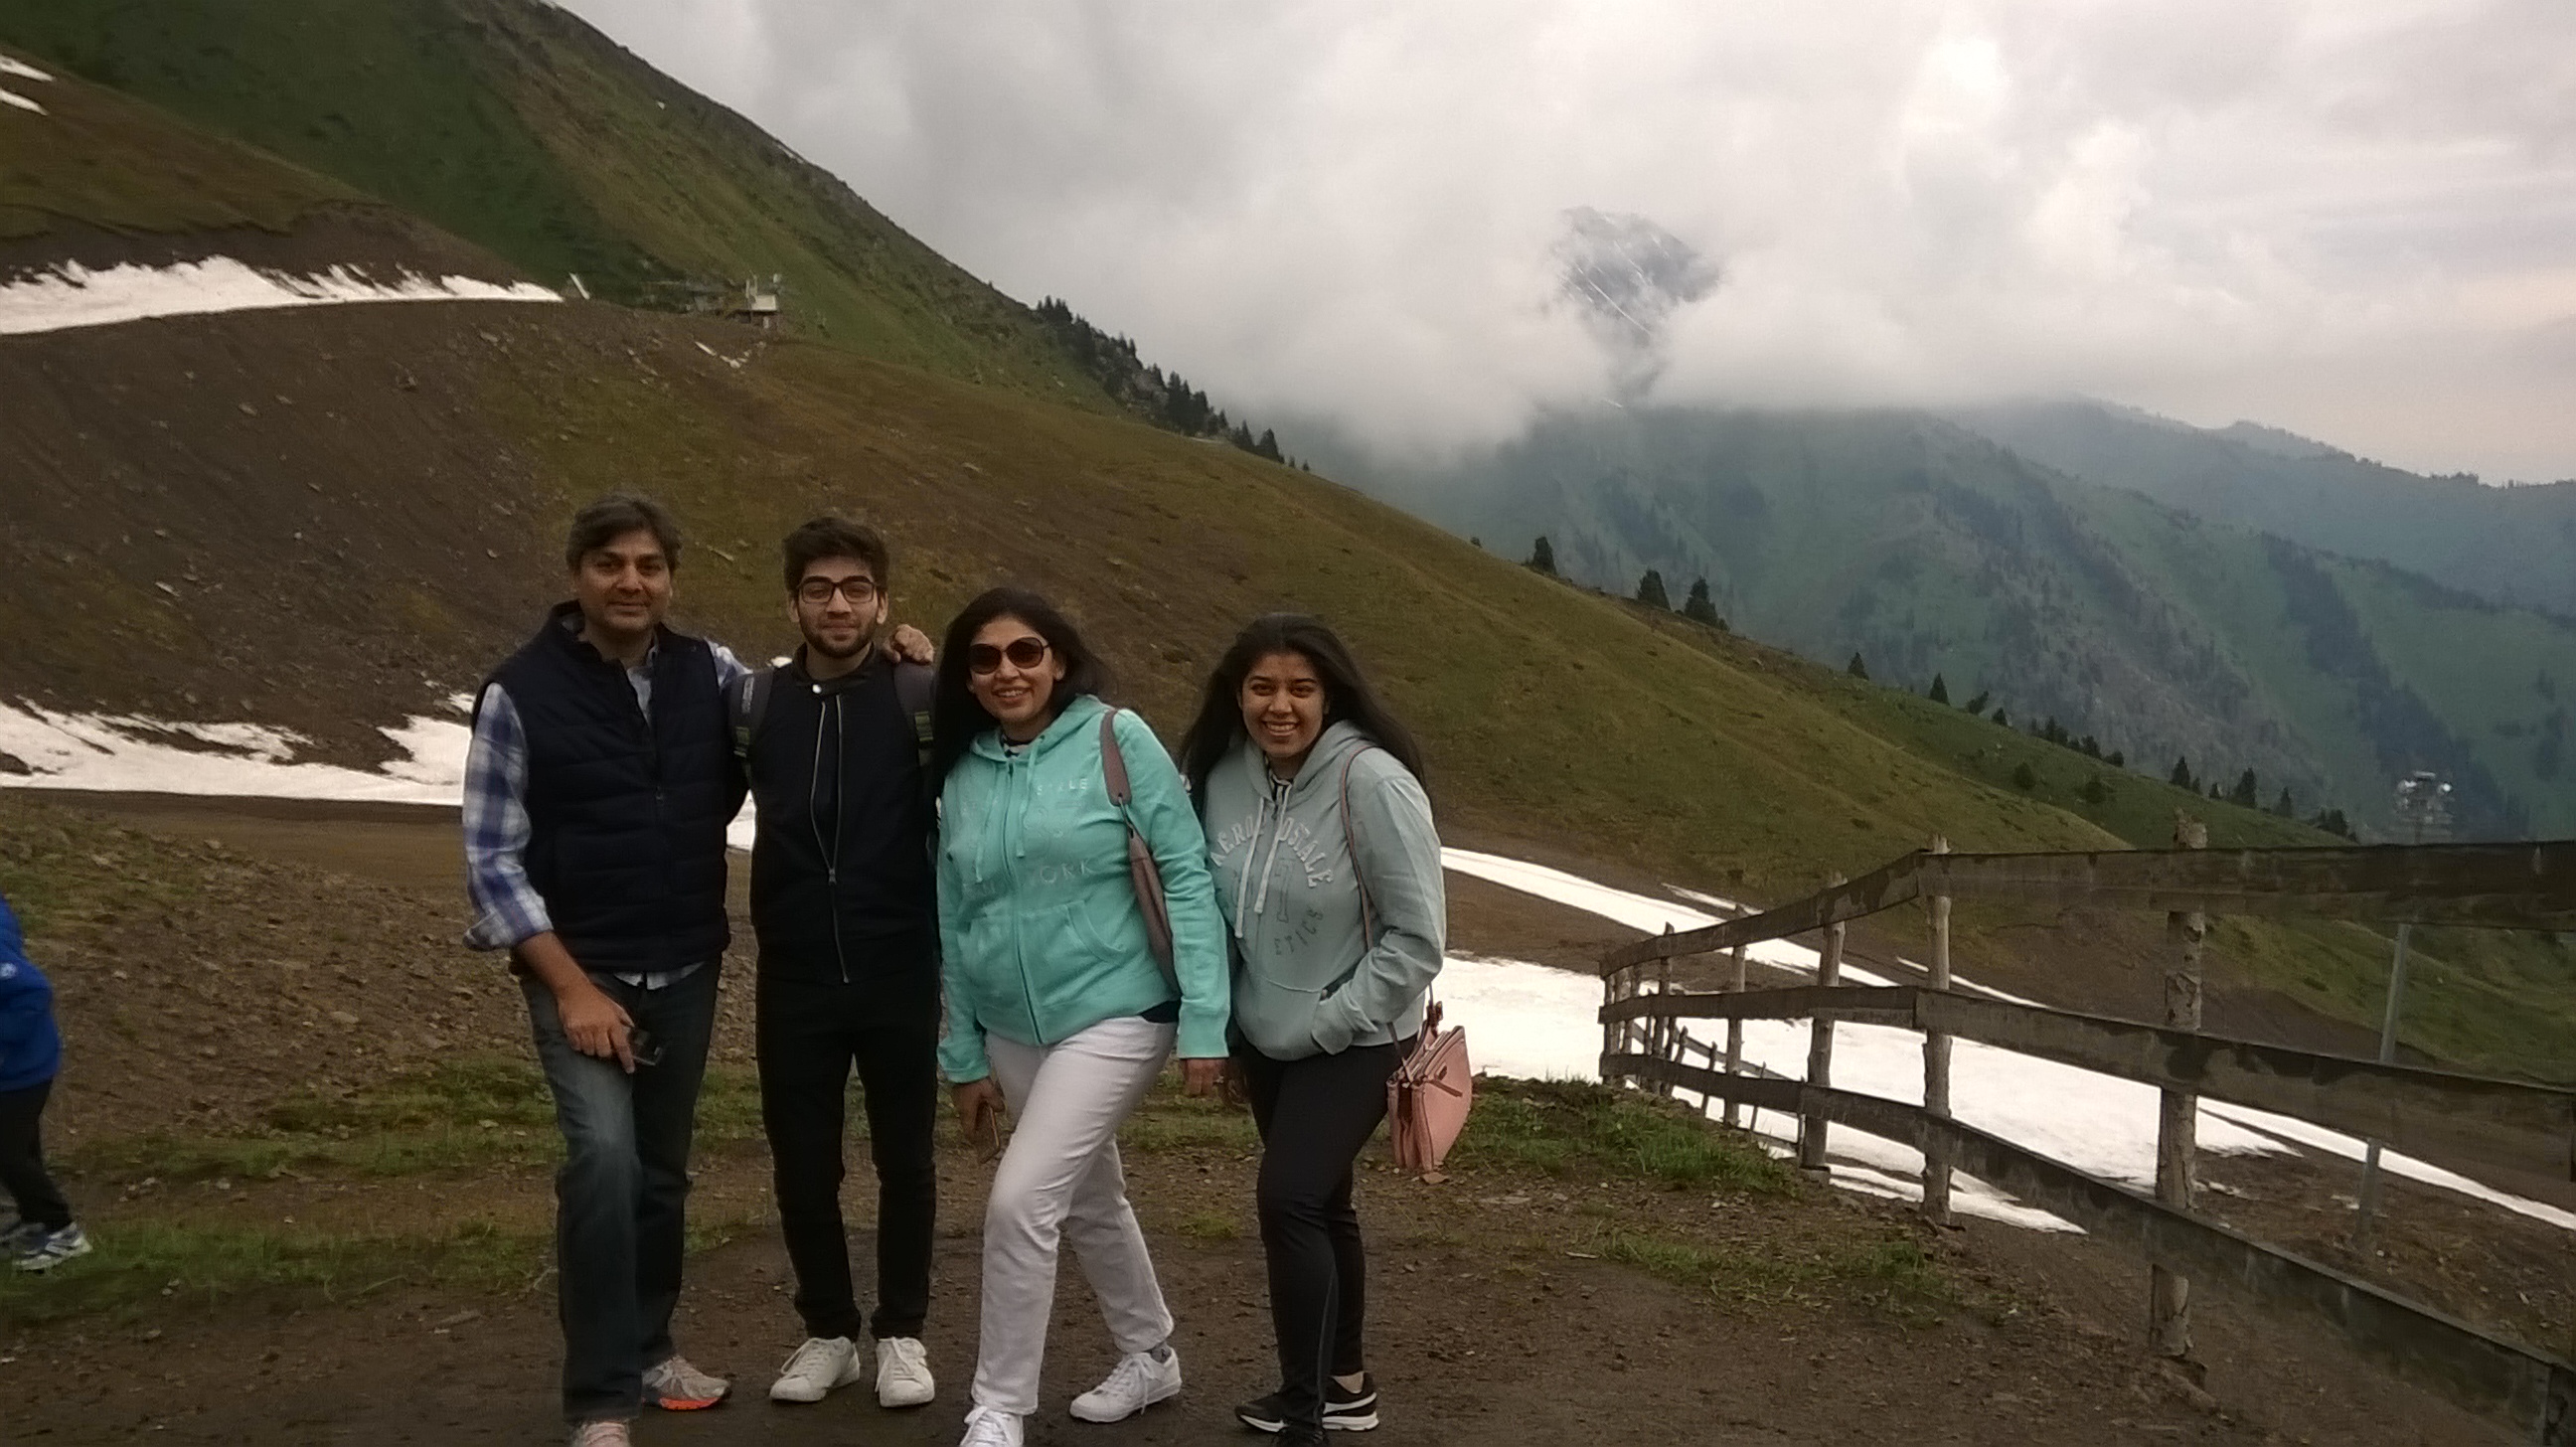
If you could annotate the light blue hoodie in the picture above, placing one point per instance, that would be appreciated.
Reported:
(1308, 978)
(1040, 933)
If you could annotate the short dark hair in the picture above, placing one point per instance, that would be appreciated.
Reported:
(1347, 696)
(834, 537)
(956, 719)
(613, 517)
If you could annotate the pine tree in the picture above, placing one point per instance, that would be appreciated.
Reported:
(1650, 591)
(1978, 704)
(2283, 807)
(1542, 557)
(1940, 690)
(2002, 719)
(2246, 791)
(2181, 775)
(1268, 446)
(2117, 760)
(1856, 668)
(1697, 607)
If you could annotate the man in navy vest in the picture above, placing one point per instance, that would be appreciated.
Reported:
(597, 791)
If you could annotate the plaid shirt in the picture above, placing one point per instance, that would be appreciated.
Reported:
(507, 908)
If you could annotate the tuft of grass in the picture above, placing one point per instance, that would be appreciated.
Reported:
(1892, 1272)
(1171, 1121)
(466, 1114)
(143, 1264)
(1564, 1128)
(1211, 1226)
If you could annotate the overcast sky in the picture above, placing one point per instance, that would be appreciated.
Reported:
(2352, 218)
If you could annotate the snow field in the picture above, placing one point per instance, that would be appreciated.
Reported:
(71, 295)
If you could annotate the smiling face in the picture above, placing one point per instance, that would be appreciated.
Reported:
(623, 587)
(1283, 708)
(1013, 673)
(837, 607)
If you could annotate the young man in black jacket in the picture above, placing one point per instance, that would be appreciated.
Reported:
(842, 901)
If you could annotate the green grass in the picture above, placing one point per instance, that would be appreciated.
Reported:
(470, 1114)
(520, 128)
(1568, 1129)
(1891, 1272)
(145, 1266)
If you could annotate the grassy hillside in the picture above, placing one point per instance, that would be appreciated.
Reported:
(515, 125)
(2513, 546)
(1928, 550)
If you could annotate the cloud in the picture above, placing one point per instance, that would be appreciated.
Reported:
(2348, 217)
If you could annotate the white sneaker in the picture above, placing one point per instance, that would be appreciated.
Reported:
(988, 1427)
(903, 1372)
(822, 1363)
(1137, 1382)
(601, 1434)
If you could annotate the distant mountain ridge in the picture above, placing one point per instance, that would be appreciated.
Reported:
(2510, 545)
(1928, 549)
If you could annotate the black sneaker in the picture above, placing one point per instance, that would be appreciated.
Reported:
(1344, 1411)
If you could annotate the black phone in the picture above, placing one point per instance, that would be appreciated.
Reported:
(641, 1044)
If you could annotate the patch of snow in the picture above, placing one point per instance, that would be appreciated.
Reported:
(71, 295)
(2097, 1123)
(21, 70)
(115, 754)
(11, 97)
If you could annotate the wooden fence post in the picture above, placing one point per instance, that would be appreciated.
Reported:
(1666, 1028)
(1820, 1046)
(2178, 1113)
(1936, 1067)
(2367, 1210)
(1735, 1043)
(1609, 1028)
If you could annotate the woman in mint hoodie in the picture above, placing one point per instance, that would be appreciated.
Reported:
(1328, 868)
(1057, 1007)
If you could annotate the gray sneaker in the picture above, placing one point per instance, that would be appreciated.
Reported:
(45, 1250)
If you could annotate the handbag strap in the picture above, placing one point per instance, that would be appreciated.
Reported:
(1368, 912)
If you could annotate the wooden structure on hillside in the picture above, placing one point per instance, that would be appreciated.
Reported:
(2476, 1120)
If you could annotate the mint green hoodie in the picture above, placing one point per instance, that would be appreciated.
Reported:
(1308, 979)
(1040, 935)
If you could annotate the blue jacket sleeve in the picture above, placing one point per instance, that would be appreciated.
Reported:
(1161, 809)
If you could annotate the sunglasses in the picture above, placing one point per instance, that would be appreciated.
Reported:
(984, 658)
(860, 591)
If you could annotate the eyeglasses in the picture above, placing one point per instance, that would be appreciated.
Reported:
(1026, 652)
(860, 591)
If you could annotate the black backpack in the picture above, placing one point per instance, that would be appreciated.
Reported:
(749, 704)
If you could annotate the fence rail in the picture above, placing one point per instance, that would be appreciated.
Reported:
(2512, 886)
(2503, 1124)
(2473, 1367)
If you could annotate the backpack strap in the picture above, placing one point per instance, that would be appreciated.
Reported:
(1351, 840)
(1113, 764)
(914, 685)
(748, 703)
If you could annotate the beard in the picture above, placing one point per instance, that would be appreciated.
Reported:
(814, 642)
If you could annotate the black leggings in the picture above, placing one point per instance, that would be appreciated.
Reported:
(22, 1159)
(1315, 1115)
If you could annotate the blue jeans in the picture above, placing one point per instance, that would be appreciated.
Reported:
(621, 1195)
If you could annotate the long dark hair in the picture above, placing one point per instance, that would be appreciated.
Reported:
(1347, 696)
(955, 716)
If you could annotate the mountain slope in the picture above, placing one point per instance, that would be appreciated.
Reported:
(1927, 550)
(520, 128)
(2515, 546)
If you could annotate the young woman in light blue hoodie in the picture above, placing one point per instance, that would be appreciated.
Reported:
(1328, 869)
(1058, 1009)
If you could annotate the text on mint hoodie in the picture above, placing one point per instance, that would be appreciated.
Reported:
(1308, 979)
(1040, 934)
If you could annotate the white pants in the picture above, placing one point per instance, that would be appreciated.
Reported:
(1060, 1181)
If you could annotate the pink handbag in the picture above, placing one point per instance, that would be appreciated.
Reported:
(1428, 1096)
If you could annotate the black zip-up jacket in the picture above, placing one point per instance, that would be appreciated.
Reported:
(841, 883)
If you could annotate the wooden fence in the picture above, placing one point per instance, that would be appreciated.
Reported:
(2478, 1122)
